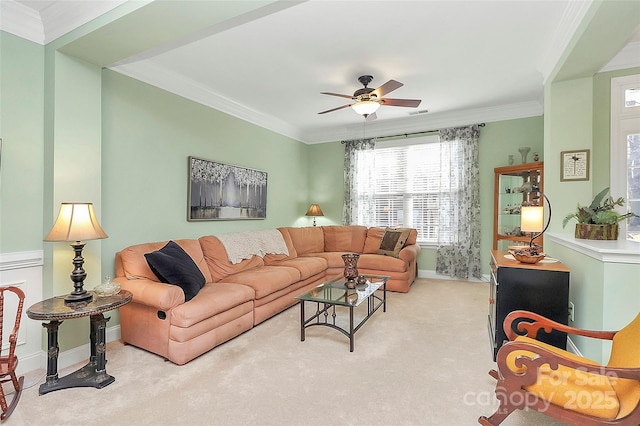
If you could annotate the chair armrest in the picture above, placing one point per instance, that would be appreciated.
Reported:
(527, 373)
(409, 253)
(160, 296)
(533, 322)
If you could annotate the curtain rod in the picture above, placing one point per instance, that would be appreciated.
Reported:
(406, 135)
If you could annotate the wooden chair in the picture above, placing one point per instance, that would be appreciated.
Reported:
(562, 385)
(9, 362)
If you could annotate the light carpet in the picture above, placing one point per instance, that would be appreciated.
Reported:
(423, 362)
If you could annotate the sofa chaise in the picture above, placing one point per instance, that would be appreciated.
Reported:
(234, 296)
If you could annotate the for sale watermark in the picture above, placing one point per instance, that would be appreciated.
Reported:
(575, 389)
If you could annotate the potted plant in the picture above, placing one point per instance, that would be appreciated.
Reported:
(598, 221)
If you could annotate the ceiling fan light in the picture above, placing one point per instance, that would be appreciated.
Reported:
(365, 107)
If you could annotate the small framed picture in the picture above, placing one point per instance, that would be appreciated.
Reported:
(574, 165)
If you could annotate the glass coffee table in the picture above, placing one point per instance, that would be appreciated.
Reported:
(335, 293)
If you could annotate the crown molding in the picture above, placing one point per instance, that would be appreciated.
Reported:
(628, 57)
(150, 73)
(21, 21)
(53, 21)
(571, 19)
(426, 122)
(62, 17)
(155, 75)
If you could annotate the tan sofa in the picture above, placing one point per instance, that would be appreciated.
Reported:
(236, 297)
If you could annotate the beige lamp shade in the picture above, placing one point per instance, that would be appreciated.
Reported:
(314, 210)
(76, 222)
(531, 218)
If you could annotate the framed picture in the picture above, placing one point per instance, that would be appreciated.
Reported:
(219, 191)
(574, 165)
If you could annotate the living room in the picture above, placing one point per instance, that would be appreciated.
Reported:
(73, 130)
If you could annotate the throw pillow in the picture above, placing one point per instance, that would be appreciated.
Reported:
(172, 265)
(393, 241)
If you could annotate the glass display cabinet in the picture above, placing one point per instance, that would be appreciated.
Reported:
(515, 186)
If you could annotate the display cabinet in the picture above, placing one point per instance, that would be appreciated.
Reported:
(542, 288)
(515, 186)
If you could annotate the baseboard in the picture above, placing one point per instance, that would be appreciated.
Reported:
(67, 358)
(431, 274)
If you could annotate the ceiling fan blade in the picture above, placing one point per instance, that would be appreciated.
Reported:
(335, 109)
(337, 94)
(388, 87)
(371, 117)
(412, 103)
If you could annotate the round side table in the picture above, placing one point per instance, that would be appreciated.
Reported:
(55, 310)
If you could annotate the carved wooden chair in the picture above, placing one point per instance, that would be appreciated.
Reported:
(9, 361)
(562, 385)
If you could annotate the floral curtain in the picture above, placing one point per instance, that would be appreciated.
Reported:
(359, 157)
(458, 252)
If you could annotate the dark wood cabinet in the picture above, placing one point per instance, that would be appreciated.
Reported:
(542, 288)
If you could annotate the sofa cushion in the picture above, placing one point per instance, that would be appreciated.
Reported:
(271, 258)
(219, 265)
(333, 258)
(372, 243)
(172, 265)
(393, 241)
(383, 264)
(212, 300)
(309, 239)
(307, 266)
(266, 279)
(134, 266)
(344, 238)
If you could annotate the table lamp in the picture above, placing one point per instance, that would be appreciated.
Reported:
(532, 220)
(76, 222)
(314, 210)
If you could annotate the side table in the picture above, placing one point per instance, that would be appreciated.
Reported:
(55, 310)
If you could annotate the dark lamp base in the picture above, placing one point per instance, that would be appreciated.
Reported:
(78, 297)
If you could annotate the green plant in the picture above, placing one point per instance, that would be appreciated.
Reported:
(600, 211)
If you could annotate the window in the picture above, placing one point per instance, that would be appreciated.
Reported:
(406, 186)
(625, 149)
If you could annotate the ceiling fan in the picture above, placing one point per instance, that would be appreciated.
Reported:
(368, 100)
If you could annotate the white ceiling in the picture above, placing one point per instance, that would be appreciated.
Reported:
(469, 61)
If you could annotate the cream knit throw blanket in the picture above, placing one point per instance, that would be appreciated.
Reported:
(244, 245)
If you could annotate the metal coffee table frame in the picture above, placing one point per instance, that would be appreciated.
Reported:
(335, 293)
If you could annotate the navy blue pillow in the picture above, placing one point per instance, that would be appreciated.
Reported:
(172, 265)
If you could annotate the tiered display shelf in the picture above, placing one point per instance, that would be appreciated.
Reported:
(514, 187)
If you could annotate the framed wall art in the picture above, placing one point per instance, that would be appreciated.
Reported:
(574, 165)
(219, 191)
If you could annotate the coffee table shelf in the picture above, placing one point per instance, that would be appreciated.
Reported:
(335, 293)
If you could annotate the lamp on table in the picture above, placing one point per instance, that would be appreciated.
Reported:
(314, 210)
(532, 220)
(76, 222)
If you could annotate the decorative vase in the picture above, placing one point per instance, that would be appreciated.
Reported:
(350, 267)
(587, 231)
(510, 160)
(536, 157)
(524, 151)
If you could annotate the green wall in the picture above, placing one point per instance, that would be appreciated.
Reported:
(577, 114)
(148, 135)
(21, 123)
(497, 140)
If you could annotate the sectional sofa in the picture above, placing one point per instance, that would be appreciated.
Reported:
(232, 296)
